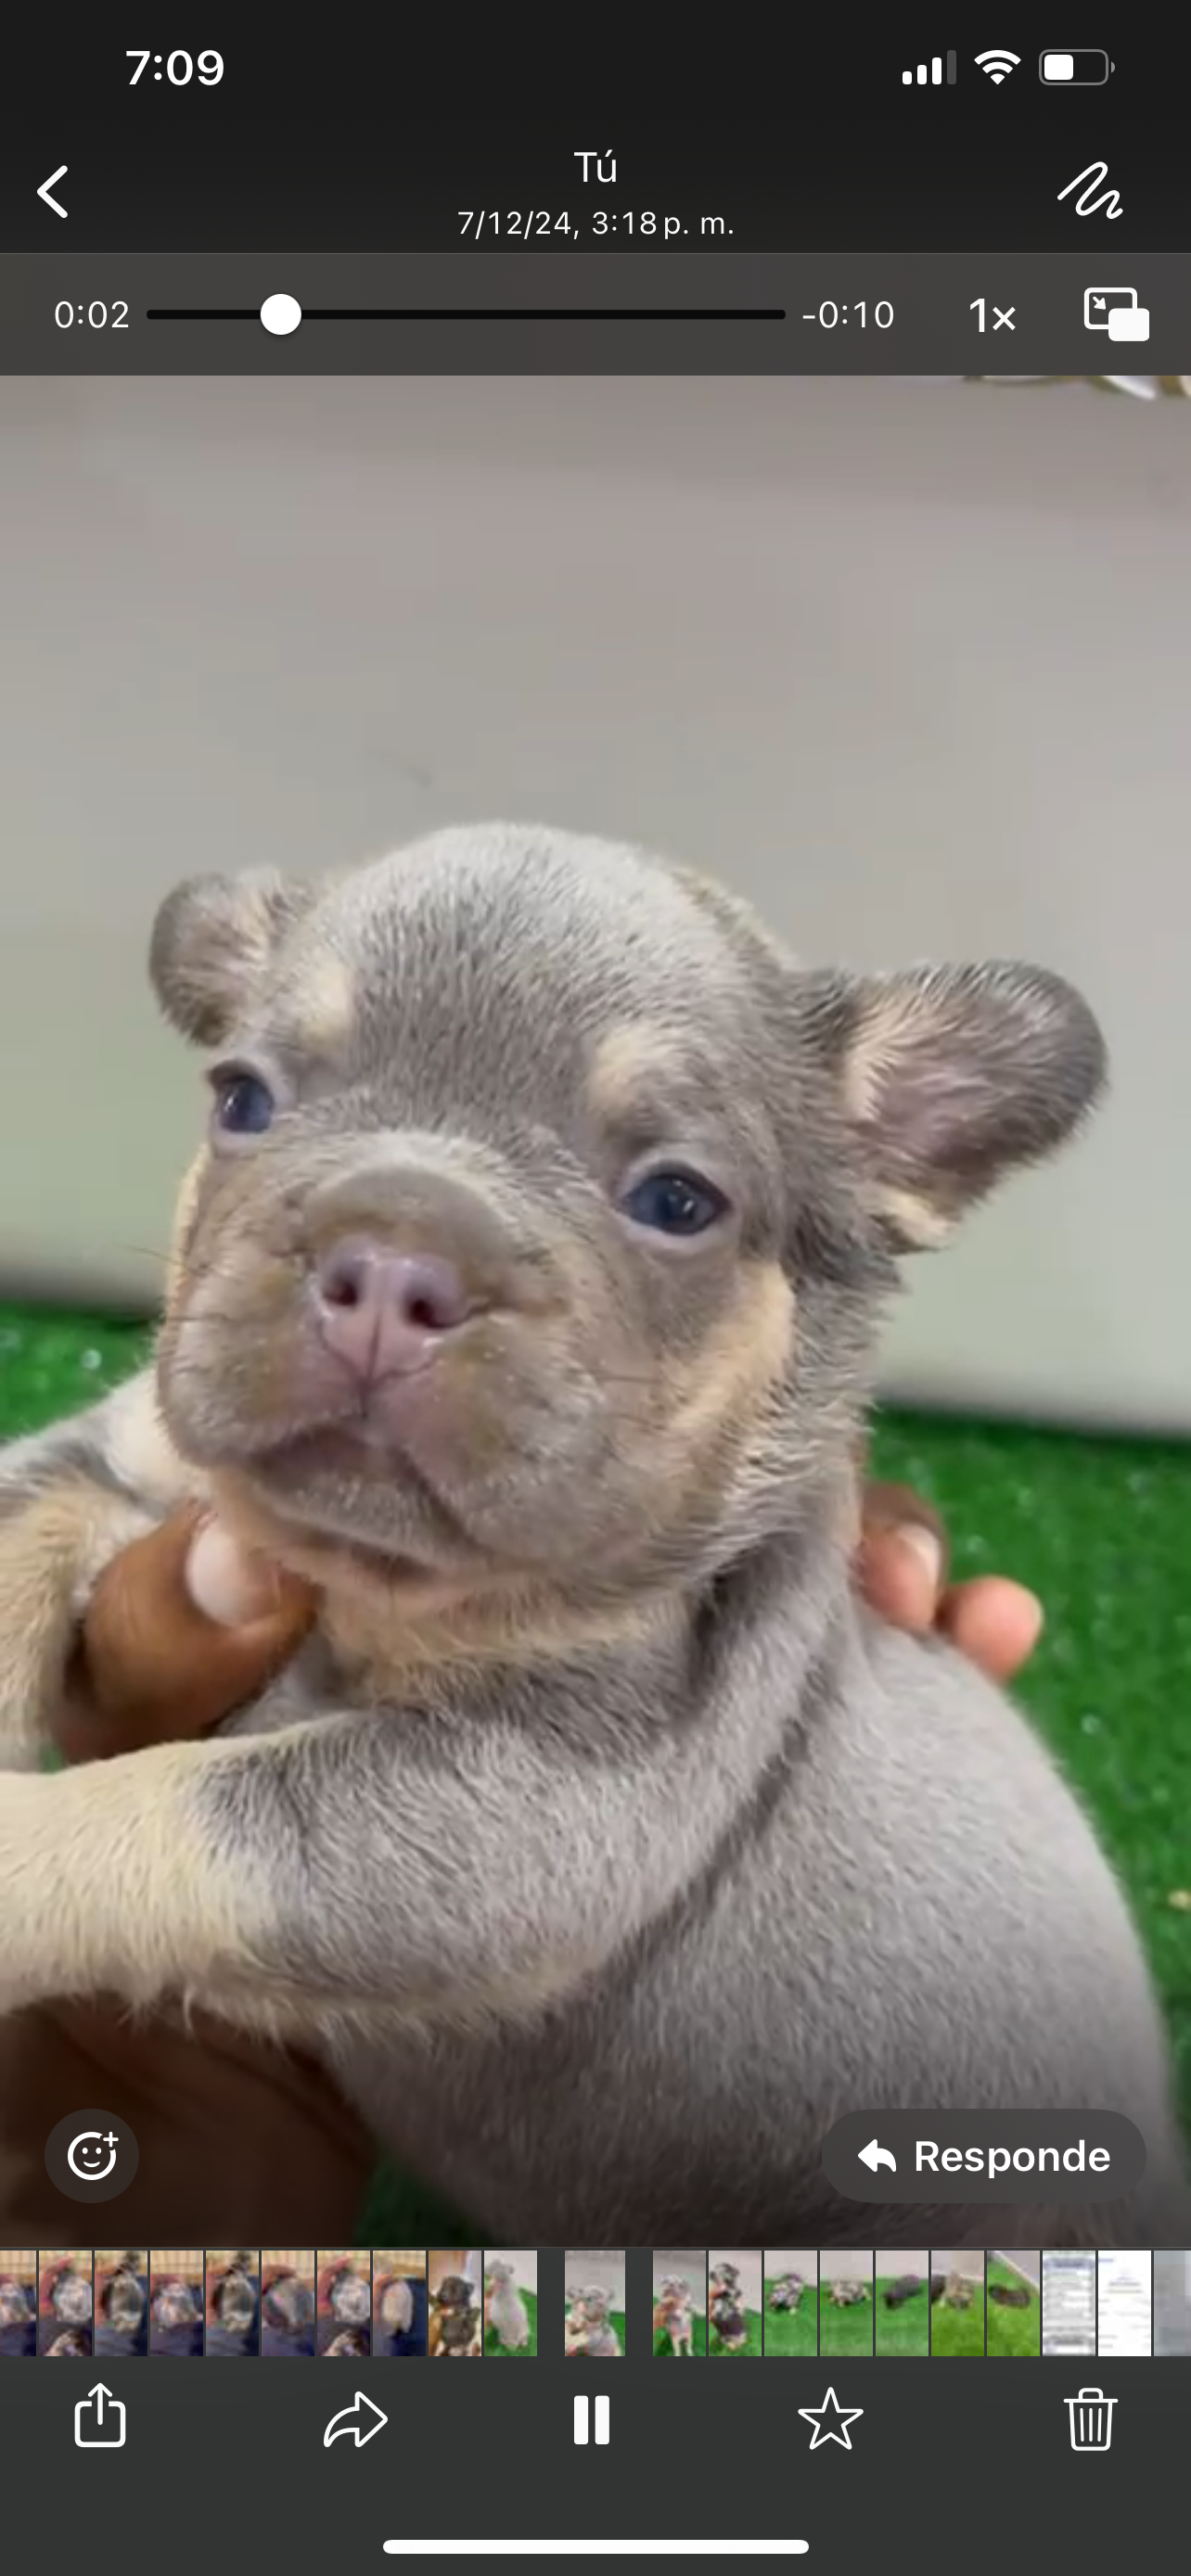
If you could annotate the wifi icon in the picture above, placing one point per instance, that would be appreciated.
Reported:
(997, 63)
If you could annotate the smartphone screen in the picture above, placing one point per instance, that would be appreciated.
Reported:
(594, 1415)
(1124, 2295)
(1069, 2303)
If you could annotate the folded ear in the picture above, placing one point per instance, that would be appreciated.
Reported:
(950, 1076)
(213, 941)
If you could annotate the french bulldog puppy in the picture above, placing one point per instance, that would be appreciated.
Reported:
(524, 1296)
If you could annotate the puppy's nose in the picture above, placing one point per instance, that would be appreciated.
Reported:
(384, 1311)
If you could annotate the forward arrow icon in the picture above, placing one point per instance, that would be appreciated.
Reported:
(353, 2419)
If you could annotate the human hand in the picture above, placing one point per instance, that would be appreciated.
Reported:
(902, 1571)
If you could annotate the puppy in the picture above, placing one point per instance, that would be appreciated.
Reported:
(1006, 2296)
(457, 2319)
(848, 2294)
(122, 2301)
(787, 2292)
(725, 2307)
(235, 2298)
(176, 2304)
(504, 2307)
(396, 2308)
(288, 2306)
(524, 1296)
(348, 2297)
(907, 2287)
(673, 2316)
(17, 2302)
(591, 2336)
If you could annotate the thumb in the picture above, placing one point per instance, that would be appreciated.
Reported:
(181, 1630)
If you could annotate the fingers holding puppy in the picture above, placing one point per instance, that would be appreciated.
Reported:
(181, 1630)
(902, 1568)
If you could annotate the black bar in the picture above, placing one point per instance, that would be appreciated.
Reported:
(380, 145)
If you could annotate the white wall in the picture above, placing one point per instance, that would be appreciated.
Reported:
(906, 662)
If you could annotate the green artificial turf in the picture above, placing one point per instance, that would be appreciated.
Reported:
(792, 2330)
(663, 2349)
(955, 2332)
(844, 2331)
(1012, 2330)
(905, 2329)
(1099, 1527)
(495, 2350)
(718, 2351)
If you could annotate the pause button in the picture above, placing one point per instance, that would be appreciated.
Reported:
(583, 2407)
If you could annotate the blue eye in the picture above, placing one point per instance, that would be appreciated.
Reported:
(244, 1105)
(675, 1203)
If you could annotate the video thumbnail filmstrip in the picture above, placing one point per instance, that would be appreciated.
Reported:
(465, 2303)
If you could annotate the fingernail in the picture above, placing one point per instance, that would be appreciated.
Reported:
(926, 1548)
(225, 1583)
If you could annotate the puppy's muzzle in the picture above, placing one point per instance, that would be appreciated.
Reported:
(384, 1312)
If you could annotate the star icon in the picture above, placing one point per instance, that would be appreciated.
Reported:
(837, 2432)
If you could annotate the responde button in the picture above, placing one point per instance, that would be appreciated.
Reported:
(1006, 2156)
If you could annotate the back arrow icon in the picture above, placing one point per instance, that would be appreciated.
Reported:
(44, 191)
(873, 2155)
(350, 2420)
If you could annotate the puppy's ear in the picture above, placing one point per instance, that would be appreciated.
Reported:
(950, 1076)
(213, 940)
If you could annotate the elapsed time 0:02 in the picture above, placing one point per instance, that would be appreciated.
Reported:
(99, 317)
(830, 314)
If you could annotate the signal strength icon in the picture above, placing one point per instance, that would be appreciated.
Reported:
(997, 63)
(932, 75)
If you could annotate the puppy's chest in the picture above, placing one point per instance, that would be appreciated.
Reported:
(317, 1684)
(327, 1679)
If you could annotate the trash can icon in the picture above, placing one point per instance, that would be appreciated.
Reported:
(1091, 2420)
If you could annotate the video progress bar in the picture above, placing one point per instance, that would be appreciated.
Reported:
(481, 313)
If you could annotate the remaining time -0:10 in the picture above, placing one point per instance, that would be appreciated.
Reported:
(830, 314)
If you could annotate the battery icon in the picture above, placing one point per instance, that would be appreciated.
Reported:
(1082, 67)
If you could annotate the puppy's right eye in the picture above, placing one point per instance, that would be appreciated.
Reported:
(244, 1104)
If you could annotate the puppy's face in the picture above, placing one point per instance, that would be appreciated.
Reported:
(545, 1206)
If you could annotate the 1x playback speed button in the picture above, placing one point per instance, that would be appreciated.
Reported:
(91, 2155)
(1025, 2156)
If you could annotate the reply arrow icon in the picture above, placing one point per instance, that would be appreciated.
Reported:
(353, 2419)
(873, 2155)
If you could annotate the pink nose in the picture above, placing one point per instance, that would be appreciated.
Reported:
(384, 1311)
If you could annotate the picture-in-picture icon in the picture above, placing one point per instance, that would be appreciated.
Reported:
(1115, 309)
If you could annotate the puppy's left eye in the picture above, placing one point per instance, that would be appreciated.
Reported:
(675, 1203)
(244, 1104)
